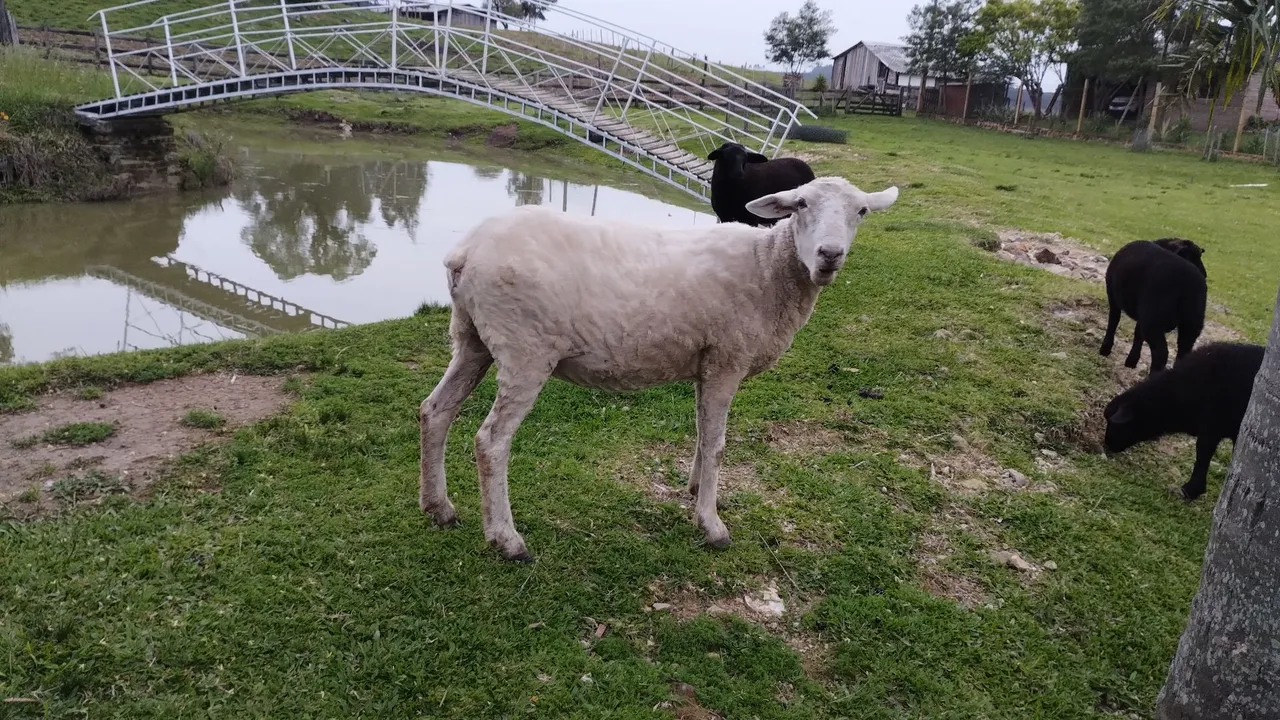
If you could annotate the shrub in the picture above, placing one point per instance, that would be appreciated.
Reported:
(205, 161)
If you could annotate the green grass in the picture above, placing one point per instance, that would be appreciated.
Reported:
(310, 584)
(203, 419)
(83, 433)
(89, 392)
(88, 486)
(31, 87)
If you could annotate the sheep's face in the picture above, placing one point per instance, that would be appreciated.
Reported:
(1127, 424)
(825, 214)
(731, 158)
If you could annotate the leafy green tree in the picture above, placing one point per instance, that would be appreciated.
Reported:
(1232, 40)
(1118, 40)
(1026, 39)
(938, 45)
(800, 40)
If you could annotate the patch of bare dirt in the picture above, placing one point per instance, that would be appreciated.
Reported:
(503, 136)
(149, 432)
(1052, 252)
(802, 437)
(934, 550)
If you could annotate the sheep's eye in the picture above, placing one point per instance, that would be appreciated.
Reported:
(862, 212)
(802, 203)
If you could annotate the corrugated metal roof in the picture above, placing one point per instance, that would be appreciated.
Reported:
(893, 56)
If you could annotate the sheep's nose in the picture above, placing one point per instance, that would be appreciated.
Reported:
(830, 254)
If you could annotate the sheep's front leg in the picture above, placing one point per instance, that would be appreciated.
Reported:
(1206, 446)
(518, 389)
(471, 360)
(715, 395)
(1159, 351)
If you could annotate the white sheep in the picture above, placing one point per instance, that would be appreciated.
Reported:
(620, 306)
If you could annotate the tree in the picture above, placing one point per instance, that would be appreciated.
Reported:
(521, 9)
(936, 45)
(801, 40)
(1227, 664)
(1233, 40)
(1117, 39)
(1026, 39)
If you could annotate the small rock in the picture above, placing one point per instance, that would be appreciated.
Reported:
(942, 333)
(1047, 256)
(1048, 453)
(974, 484)
(662, 607)
(870, 393)
(1015, 479)
(586, 679)
(1011, 559)
(48, 485)
(766, 602)
(684, 690)
(717, 610)
(1092, 334)
(543, 677)
(1058, 355)
(960, 443)
(1039, 437)
(1050, 565)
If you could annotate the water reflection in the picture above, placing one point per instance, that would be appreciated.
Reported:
(304, 240)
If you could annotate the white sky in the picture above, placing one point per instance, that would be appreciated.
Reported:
(732, 31)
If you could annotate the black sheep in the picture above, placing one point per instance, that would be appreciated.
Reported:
(741, 176)
(1161, 285)
(1204, 396)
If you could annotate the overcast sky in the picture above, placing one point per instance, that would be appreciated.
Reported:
(732, 31)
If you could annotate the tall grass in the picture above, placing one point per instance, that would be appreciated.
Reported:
(34, 90)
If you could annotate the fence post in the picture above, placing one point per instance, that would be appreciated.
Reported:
(235, 33)
(488, 23)
(1017, 107)
(1084, 98)
(288, 34)
(968, 88)
(1155, 111)
(1244, 114)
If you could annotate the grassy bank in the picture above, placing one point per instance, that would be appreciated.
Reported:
(44, 154)
(286, 570)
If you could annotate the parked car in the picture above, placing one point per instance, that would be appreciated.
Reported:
(1124, 106)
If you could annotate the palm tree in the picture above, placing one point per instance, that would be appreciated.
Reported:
(1233, 40)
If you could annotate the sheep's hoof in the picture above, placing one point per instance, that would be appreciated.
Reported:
(1105, 351)
(719, 543)
(445, 517)
(1130, 363)
(519, 556)
(1185, 494)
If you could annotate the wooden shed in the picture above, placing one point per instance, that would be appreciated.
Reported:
(882, 66)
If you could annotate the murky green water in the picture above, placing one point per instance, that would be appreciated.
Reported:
(317, 232)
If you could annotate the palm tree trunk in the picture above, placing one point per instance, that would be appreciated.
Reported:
(1227, 665)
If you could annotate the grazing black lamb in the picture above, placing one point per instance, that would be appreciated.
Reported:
(741, 176)
(1204, 396)
(1161, 284)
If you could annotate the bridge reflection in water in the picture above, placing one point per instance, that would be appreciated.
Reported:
(302, 242)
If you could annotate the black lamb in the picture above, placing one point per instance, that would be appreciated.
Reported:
(1204, 396)
(741, 176)
(1162, 285)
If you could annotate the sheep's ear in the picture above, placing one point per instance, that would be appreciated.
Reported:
(882, 200)
(756, 158)
(776, 205)
(1122, 415)
(715, 154)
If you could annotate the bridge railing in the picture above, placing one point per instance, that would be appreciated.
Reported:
(617, 74)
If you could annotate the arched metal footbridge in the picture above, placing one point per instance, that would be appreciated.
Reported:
(647, 104)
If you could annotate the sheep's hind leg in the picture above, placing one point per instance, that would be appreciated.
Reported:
(715, 395)
(1159, 351)
(1206, 446)
(518, 387)
(1135, 353)
(1113, 322)
(471, 360)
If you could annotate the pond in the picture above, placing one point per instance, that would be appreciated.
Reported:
(316, 232)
